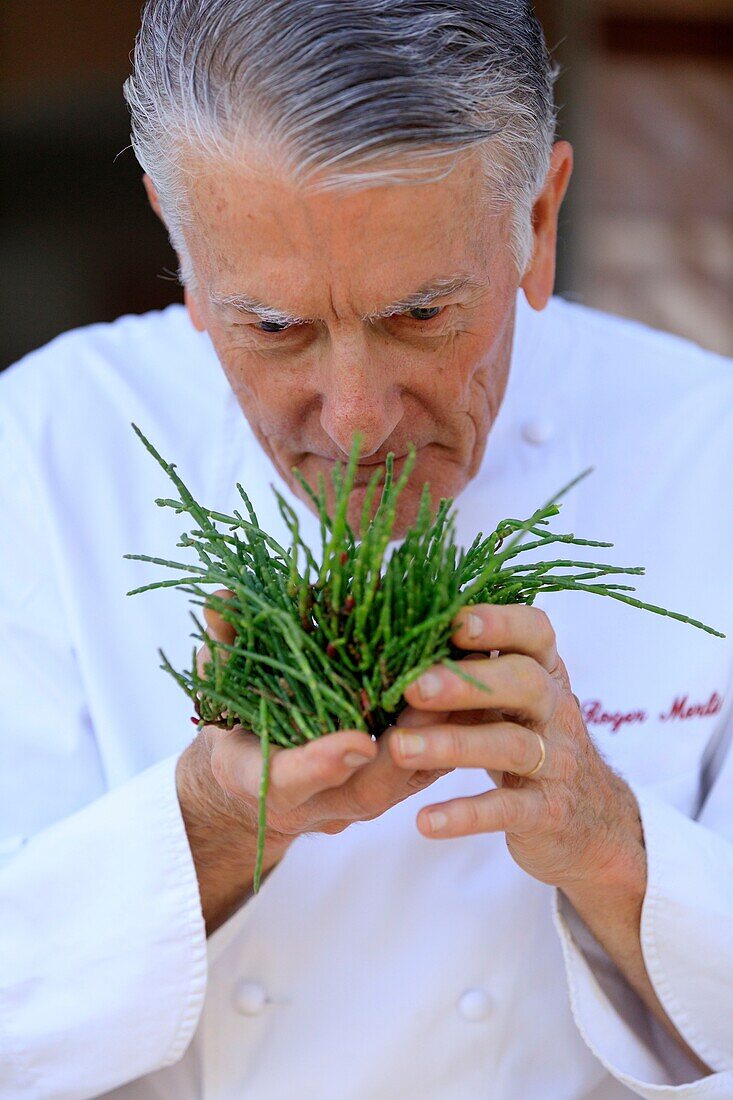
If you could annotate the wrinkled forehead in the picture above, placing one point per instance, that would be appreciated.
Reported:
(256, 226)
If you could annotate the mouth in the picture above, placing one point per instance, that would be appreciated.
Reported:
(365, 470)
(360, 465)
(370, 467)
(380, 461)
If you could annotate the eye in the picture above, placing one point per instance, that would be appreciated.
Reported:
(419, 313)
(272, 326)
(425, 313)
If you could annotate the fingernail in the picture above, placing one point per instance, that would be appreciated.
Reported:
(474, 625)
(355, 759)
(410, 744)
(428, 685)
(437, 821)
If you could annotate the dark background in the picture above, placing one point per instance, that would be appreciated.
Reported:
(645, 97)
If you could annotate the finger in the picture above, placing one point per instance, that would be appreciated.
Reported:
(501, 810)
(219, 628)
(512, 683)
(510, 628)
(220, 631)
(375, 789)
(410, 718)
(500, 746)
(295, 774)
(399, 781)
(473, 717)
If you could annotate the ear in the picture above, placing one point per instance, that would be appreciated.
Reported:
(152, 196)
(539, 279)
(188, 296)
(193, 310)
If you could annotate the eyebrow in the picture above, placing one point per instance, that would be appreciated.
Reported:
(423, 296)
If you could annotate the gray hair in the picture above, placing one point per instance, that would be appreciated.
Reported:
(326, 87)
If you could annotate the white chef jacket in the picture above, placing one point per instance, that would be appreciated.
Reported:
(374, 963)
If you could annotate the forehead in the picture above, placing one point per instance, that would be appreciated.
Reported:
(256, 229)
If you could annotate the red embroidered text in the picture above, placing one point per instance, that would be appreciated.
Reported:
(682, 709)
(595, 715)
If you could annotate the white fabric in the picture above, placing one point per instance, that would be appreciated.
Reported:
(349, 975)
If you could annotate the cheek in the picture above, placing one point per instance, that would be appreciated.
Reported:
(446, 385)
(268, 393)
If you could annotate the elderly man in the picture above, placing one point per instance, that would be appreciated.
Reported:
(364, 198)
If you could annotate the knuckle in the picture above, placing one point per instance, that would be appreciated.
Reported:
(540, 684)
(223, 766)
(514, 814)
(512, 676)
(449, 746)
(544, 627)
(280, 824)
(517, 750)
(282, 820)
(362, 804)
(542, 691)
(471, 815)
(278, 802)
(529, 681)
(507, 813)
(419, 780)
(522, 814)
(553, 694)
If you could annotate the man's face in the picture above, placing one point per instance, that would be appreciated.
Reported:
(343, 263)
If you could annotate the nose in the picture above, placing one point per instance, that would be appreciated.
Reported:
(360, 394)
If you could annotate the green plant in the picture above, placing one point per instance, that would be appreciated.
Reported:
(333, 644)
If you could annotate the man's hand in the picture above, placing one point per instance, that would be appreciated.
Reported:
(322, 786)
(574, 820)
(573, 823)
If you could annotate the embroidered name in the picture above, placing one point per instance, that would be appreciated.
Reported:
(681, 710)
(595, 715)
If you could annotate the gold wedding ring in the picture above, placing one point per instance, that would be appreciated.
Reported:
(528, 775)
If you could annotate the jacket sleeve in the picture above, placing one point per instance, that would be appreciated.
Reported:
(102, 940)
(687, 944)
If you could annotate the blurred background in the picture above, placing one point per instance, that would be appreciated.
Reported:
(646, 97)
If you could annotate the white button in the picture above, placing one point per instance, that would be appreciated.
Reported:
(474, 1004)
(538, 431)
(249, 998)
